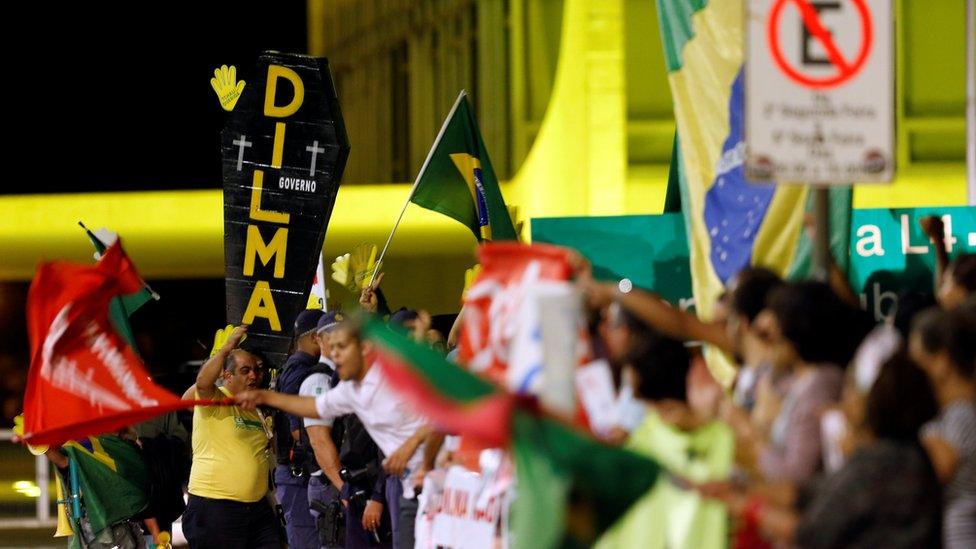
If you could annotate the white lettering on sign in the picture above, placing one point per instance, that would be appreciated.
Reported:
(906, 245)
(65, 374)
(110, 354)
(949, 240)
(296, 184)
(869, 241)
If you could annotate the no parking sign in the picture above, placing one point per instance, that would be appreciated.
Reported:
(819, 91)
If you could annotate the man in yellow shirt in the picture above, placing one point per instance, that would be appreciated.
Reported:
(231, 458)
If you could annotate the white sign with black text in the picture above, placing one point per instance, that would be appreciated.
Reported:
(819, 91)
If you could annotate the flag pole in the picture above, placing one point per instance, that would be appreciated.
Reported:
(93, 237)
(423, 168)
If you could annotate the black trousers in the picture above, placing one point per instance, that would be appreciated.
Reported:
(225, 524)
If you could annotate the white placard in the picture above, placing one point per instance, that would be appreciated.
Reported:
(594, 382)
(456, 511)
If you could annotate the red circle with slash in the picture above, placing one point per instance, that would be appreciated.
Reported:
(845, 70)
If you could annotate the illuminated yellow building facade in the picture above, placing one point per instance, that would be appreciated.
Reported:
(574, 105)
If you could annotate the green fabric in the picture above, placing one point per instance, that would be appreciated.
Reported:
(676, 27)
(442, 186)
(109, 496)
(668, 515)
(564, 498)
(672, 200)
(652, 251)
(120, 308)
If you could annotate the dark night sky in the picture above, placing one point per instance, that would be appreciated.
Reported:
(117, 96)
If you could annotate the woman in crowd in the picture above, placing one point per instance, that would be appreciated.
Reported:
(811, 333)
(685, 445)
(944, 344)
(885, 495)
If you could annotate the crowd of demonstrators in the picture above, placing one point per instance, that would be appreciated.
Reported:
(885, 494)
(846, 433)
(835, 432)
(333, 457)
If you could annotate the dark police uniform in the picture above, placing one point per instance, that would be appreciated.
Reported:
(292, 472)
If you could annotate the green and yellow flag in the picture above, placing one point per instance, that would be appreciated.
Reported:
(112, 479)
(731, 223)
(458, 181)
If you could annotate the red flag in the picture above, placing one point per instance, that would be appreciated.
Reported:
(84, 380)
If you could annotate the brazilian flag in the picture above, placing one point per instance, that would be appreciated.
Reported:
(112, 479)
(458, 181)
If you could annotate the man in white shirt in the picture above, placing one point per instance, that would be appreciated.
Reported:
(395, 427)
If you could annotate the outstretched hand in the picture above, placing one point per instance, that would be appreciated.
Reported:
(250, 400)
(598, 294)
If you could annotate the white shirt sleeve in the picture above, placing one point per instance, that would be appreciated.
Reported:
(335, 402)
(313, 386)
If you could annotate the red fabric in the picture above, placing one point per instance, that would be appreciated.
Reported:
(495, 297)
(488, 422)
(749, 535)
(84, 380)
(492, 312)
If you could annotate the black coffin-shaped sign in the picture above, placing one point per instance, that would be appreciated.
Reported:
(284, 148)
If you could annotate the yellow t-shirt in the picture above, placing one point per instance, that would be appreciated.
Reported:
(231, 453)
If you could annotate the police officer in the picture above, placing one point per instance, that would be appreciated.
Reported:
(325, 437)
(294, 455)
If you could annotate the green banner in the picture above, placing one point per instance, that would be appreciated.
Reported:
(889, 252)
(650, 250)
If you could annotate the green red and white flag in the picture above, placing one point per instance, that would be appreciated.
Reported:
(553, 460)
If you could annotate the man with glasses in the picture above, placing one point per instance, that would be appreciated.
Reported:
(231, 457)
